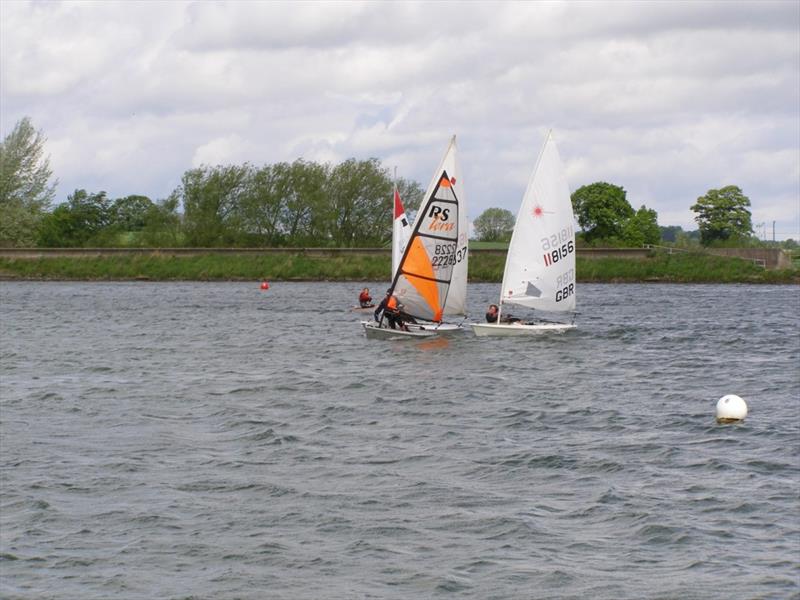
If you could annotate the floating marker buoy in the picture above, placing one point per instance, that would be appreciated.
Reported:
(730, 409)
(264, 285)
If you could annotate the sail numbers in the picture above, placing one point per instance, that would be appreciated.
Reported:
(565, 285)
(446, 255)
(558, 246)
(552, 257)
(553, 241)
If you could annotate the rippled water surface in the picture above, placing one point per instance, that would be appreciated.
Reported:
(189, 440)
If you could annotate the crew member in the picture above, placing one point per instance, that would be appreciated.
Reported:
(364, 299)
(390, 308)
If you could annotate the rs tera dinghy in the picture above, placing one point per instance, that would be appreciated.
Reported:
(423, 279)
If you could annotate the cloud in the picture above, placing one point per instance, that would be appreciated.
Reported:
(230, 149)
(666, 99)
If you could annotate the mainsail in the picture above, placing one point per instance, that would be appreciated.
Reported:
(422, 281)
(540, 265)
(457, 297)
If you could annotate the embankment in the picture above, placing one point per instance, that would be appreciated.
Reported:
(360, 264)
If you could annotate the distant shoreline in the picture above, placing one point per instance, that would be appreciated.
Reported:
(355, 266)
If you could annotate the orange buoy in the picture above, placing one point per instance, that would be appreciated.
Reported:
(264, 285)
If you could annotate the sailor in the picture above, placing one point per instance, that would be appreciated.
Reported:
(491, 316)
(390, 307)
(364, 299)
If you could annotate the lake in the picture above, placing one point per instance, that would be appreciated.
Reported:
(212, 440)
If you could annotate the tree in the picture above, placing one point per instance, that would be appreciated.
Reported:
(77, 222)
(642, 228)
(602, 210)
(494, 225)
(162, 225)
(669, 233)
(130, 213)
(263, 204)
(211, 202)
(359, 195)
(25, 191)
(723, 215)
(304, 215)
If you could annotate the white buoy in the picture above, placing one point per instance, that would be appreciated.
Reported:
(731, 408)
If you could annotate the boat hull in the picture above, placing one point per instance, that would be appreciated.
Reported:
(441, 328)
(385, 333)
(518, 329)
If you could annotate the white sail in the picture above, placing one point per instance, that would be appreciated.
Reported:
(401, 230)
(423, 278)
(540, 266)
(457, 296)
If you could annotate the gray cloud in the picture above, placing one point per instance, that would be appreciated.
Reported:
(667, 99)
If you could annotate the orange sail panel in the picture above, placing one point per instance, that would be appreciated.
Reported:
(419, 272)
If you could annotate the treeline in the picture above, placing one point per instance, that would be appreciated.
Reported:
(607, 219)
(304, 204)
(285, 204)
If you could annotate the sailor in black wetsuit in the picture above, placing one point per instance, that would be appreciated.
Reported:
(390, 308)
(491, 316)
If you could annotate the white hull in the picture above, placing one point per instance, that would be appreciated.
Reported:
(443, 328)
(517, 329)
(386, 333)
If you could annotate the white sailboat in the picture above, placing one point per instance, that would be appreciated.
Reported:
(456, 304)
(422, 281)
(540, 264)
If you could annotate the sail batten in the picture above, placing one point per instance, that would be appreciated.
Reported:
(435, 237)
(408, 274)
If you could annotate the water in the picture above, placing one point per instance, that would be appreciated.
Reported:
(188, 440)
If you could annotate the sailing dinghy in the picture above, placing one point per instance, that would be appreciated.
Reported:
(456, 304)
(423, 277)
(540, 264)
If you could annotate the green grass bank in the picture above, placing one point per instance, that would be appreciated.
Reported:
(287, 266)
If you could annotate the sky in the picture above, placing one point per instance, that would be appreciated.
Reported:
(666, 99)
